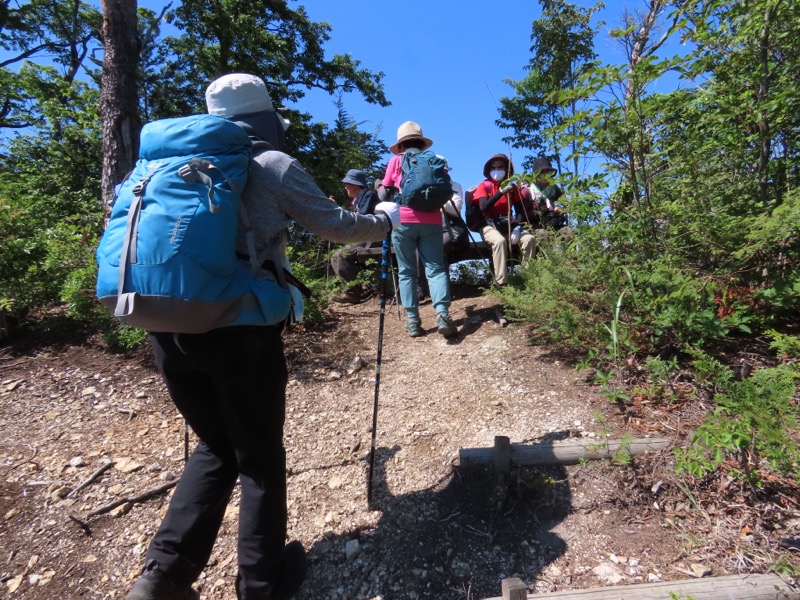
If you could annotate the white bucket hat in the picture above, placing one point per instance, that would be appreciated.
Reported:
(239, 94)
(409, 131)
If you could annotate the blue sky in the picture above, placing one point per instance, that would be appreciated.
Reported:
(445, 62)
(445, 65)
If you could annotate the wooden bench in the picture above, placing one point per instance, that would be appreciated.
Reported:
(477, 250)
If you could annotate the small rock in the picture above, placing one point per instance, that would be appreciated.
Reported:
(127, 465)
(10, 388)
(122, 509)
(609, 574)
(13, 584)
(351, 550)
(356, 365)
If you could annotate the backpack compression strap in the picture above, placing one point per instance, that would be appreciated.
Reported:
(194, 171)
(124, 305)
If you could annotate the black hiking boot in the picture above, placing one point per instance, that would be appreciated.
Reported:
(293, 571)
(154, 585)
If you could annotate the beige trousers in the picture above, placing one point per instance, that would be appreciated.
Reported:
(499, 244)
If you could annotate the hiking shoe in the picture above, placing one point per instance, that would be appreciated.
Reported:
(414, 327)
(293, 571)
(154, 585)
(445, 325)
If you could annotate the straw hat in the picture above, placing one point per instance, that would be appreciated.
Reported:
(409, 131)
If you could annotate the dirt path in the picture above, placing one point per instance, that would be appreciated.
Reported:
(439, 531)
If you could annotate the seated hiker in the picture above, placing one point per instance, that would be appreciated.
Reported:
(345, 262)
(540, 208)
(498, 208)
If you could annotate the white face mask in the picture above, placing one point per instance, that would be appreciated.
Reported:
(497, 175)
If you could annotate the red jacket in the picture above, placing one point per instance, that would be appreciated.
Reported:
(489, 188)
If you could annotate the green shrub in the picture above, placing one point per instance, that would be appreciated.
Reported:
(754, 419)
(560, 294)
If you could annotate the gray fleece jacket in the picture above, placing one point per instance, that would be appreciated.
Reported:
(279, 191)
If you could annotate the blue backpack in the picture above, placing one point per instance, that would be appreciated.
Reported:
(426, 184)
(167, 260)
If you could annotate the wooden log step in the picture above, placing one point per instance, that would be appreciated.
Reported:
(728, 587)
(564, 452)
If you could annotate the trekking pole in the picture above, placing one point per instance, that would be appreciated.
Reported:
(396, 288)
(385, 258)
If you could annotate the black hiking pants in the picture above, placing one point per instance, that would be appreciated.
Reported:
(230, 386)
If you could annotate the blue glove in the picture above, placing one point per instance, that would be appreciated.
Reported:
(391, 210)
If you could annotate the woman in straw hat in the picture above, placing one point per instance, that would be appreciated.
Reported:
(418, 232)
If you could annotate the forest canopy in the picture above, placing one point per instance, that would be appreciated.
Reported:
(692, 212)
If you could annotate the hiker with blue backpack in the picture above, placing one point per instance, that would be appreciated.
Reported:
(454, 233)
(227, 375)
(421, 186)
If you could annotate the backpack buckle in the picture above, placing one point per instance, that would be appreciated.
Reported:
(192, 171)
(138, 189)
(188, 172)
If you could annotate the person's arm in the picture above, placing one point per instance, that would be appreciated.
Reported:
(302, 200)
(394, 172)
(457, 200)
(486, 204)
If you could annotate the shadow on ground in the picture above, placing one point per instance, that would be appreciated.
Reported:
(458, 539)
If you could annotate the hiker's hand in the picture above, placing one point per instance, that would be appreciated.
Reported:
(391, 210)
(508, 188)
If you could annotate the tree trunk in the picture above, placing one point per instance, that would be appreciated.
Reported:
(119, 93)
(765, 137)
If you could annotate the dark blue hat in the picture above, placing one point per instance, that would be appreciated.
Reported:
(355, 177)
